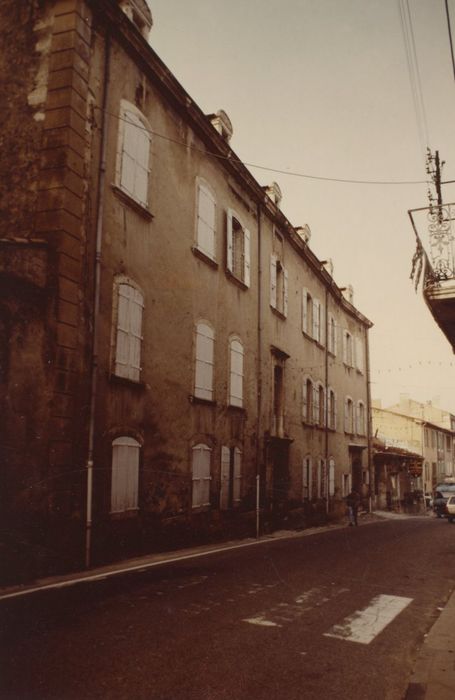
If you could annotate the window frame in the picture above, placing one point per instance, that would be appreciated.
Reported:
(127, 108)
(204, 392)
(134, 332)
(205, 477)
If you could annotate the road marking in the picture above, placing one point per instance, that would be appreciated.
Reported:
(260, 620)
(364, 625)
(290, 612)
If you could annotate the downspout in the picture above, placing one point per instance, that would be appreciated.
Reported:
(369, 420)
(326, 411)
(259, 377)
(96, 305)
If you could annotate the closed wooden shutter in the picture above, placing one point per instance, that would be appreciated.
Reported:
(331, 477)
(206, 218)
(204, 361)
(273, 262)
(285, 292)
(135, 158)
(247, 258)
(237, 490)
(125, 474)
(229, 242)
(201, 475)
(225, 477)
(236, 373)
(304, 310)
(129, 332)
(316, 320)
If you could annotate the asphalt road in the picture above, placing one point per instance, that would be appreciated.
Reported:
(249, 623)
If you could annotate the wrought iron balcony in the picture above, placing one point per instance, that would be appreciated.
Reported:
(434, 263)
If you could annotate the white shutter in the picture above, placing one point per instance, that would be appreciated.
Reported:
(135, 157)
(346, 416)
(246, 260)
(335, 413)
(206, 221)
(125, 474)
(129, 332)
(136, 306)
(324, 406)
(201, 475)
(315, 404)
(237, 474)
(335, 337)
(304, 401)
(236, 373)
(203, 384)
(345, 348)
(321, 324)
(273, 261)
(331, 477)
(304, 310)
(225, 477)
(316, 319)
(229, 242)
(285, 292)
(307, 477)
(359, 354)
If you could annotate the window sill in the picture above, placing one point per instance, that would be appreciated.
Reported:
(134, 204)
(204, 257)
(236, 409)
(278, 313)
(236, 280)
(125, 514)
(203, 402)
(117, 379)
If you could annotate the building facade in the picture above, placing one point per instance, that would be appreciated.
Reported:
(177, 364)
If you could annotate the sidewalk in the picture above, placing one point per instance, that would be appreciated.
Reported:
(434, 669)
(152, 560)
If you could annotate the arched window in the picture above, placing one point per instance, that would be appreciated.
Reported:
(201, 458)
(332, 340)
(321, 403)
(238, 248)
(307, 312)
(307, 400)
(331, 477)
(128, 333)
(206, 220)
(133, 153)
(332, 409)
(125, 474)
(205, 344)
(236, 373)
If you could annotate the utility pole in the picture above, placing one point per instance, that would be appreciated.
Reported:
(434, 169)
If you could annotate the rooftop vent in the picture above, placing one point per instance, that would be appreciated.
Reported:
(274, 192)
(139, 13)
(222, 124)
(328, 264)
(349, 293)
(304, 232)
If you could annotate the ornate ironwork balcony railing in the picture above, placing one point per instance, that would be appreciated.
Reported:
(435, 259)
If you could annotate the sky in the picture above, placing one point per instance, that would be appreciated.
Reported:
(322, 88)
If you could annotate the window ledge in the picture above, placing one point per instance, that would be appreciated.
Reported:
(125, 514)
(203, 256)
(331, 353)
(236, 280)
(198, 400)
(133, 203)
(236, 409)
(117, 379)
(278, 313)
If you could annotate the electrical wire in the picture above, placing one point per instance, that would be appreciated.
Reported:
(267, 168)
(450, 36)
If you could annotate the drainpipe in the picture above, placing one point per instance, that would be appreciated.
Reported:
(96, 306)
(369, 418)
(259, 377)
(326, 412)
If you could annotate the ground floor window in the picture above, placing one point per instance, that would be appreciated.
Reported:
(201, 475)
(125, 474)
(231, 477)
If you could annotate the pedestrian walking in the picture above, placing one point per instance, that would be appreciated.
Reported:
(353, 502)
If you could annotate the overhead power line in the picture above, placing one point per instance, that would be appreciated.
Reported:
(450, 36)
(280, 171)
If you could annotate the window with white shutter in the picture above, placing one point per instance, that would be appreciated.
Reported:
(306, 477)
(361, 430)
(273, 275)
(348, 415)
(278, 285)
(206, 220)
(331, 410)
(125, 475)
(225, 477)
(316, 320)
(319, 478)
(133, 153)
(201, 475)
(130, 304)
(231, 477)
(236, 373)
(316, 404)
(237, 490)
(359, 355)
(332, 339)
(308, 321)
(308, 400)
(205, 345)
(238, 249)
(348, 350)
(331, 477)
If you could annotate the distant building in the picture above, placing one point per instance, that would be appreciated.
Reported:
(169, 340)
(419, 436)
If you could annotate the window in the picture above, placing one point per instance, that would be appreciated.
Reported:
(332, 339)
(238, 249)
(433, 438)
(236, 373)
(359, 355)
(201, 475)
(318, 405)
(307, 312)
(347, 349)
(332, 410)
(361, 428)
(319, 478)
(125, 474)
(133, 153)
(348, 415)
(307, 400)
(427, 441)
(231, 477)
(318, 321)
(331, 477)
(206, 220)
(278, 285)
(307, 477)
(345, 484)
(205, 342)
(448, 446)
(130, 304)
(278, 400)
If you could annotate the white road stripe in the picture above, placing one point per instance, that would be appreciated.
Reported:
(260, 620)
(364, 625)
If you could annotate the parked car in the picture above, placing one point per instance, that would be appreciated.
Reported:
(441, 494)
(450, 509)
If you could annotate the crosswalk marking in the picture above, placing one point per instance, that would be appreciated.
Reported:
(364, 625)
(290, 612)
